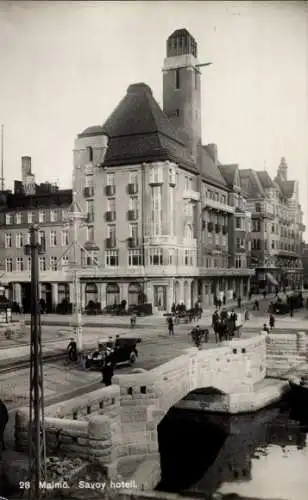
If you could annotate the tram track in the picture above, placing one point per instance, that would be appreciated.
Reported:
(25, 363)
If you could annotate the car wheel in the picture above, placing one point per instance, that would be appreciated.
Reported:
(132, 358)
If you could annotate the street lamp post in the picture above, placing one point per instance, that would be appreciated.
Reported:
(36, 440)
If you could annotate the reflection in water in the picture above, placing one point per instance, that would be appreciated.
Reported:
(258, 456)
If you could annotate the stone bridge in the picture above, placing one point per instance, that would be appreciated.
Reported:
(116, 424)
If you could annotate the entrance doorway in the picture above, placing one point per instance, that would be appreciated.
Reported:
(160, 297)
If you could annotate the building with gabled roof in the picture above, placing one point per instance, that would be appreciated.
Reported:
(277, 228)
(159, 203)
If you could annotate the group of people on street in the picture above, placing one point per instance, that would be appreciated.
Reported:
(224, 324)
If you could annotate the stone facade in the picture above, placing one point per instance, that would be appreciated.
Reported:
(45, 205)
(119, 422)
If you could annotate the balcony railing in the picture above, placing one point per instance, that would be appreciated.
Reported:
(110, 243)
(132, 188)
(217, 205)
(110, 190)
(88, 192)
(133, 243)
(132, 215)
(191, 195)
(110, 216)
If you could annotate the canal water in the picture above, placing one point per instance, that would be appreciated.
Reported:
(253, 456)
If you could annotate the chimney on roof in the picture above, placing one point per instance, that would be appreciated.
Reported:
(213, 152)
(27, 178)
(25, 167)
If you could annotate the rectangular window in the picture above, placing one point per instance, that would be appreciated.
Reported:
(171, 257)
(42, 216)
(155, 257)
(177, 79)
(134, 258)
(133, 203)
(18, 218)
(188, 184)
(53, 263)
(110, 179)
(19, 240)
(19, 264)
(8, 265)
(65, 238)
(111, 258)
(111, 231)
(42, 261)
(53, 215)
(53, 238)
(30, 217)
(133, 178)
(90, 233)
(238, 224)
(186, 257)
(8, 219)
(8, 240)
(111, 205)
(89, 181)
(156, 211)
(133, 231)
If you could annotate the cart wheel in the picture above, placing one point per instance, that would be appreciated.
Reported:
(132, 358)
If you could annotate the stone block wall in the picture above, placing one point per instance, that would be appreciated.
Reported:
(88, 426)
(285, 352)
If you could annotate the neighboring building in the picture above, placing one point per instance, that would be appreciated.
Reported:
(48, 206)
(305, 264)
(277, 228)
(166, 221)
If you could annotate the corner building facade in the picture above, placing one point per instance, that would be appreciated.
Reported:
(160, 207)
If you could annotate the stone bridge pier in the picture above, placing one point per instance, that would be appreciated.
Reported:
(146, 397)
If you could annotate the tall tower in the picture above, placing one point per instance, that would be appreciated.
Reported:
(283, 170)
(181, 87)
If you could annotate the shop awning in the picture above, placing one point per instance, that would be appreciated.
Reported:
(271, 279)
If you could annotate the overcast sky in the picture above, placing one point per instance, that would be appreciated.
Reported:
(65, 66)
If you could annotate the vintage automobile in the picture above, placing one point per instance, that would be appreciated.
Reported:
(125, 352)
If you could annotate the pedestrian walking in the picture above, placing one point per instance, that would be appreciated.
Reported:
(107, 374)
(272, 321)
(265, 329)
(170, 326)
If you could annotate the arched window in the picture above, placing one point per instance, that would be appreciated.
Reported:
(113, 294)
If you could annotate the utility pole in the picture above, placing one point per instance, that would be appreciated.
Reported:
(76, 220)
(36, 440)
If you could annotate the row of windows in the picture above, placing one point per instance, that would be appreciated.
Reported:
(155, 257)
(24, 264)
(22, 239)
(278, 245)
(216, 196)
(55, 215)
